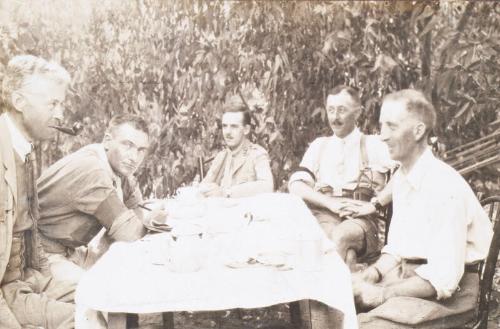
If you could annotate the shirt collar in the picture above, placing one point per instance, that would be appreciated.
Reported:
(19, 142)
(420, 168)
(101, 153)
(353, 137)
(241, 148)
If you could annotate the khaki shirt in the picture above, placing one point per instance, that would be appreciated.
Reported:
(249, 163)
(79, 195)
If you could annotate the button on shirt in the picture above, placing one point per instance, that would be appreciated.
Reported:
(437, 217)
(335, 162)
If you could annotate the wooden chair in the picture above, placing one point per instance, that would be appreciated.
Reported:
(474, 155)
(492, 206)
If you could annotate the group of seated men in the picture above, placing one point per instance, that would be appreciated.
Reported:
(52, 230)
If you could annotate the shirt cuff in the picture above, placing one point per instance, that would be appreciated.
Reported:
(301, 176)
(442, 284)
(388, 250)
(109, 209)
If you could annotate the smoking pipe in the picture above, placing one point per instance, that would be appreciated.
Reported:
(73, 131)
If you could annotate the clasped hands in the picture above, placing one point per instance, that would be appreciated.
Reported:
(346, 208)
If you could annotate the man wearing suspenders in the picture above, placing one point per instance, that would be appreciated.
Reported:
(339, 168)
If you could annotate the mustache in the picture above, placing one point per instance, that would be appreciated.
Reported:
(74, 130)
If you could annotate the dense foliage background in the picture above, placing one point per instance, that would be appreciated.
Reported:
(177, 62)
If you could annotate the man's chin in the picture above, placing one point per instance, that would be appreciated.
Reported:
(126, 172)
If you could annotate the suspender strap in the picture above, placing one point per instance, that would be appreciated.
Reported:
(363, 153)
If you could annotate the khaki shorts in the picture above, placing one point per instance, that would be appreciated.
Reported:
(328, 221)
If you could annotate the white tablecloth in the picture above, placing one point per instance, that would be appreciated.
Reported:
(137, 278)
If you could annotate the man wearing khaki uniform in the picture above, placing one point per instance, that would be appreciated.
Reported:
(242, 169)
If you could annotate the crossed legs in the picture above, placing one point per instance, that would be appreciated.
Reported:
(354, 238)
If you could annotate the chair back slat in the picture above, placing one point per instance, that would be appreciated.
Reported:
(492, 206)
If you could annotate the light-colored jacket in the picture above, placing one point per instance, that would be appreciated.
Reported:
(249, 164)
(8, 201)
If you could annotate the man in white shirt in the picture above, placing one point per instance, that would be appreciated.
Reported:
(427, 273)
(332, 171)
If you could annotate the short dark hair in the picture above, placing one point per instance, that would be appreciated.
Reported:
(417, 104)
(350, 90)
(133, 120)
(235, 104)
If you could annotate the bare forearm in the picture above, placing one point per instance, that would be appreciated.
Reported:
(411, 287)
(307, 193)
(251, 188)
(385, 196)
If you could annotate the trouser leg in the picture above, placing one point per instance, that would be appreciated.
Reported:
(418, 313)
(64, 269)
(41, 301)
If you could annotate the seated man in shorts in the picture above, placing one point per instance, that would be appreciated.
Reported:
(339, 168)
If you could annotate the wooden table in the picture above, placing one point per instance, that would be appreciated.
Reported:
(305, 314)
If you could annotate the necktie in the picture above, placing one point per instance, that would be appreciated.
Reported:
(32, 236)
(226, 178)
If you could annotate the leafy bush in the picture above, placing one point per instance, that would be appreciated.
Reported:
(177, 62)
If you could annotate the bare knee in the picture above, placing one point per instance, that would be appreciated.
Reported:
(348, 236)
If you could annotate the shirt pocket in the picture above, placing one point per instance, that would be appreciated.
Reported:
(246, 174)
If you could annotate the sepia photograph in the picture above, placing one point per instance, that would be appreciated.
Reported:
(249, 164)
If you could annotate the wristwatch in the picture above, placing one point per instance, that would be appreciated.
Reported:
(376, 203)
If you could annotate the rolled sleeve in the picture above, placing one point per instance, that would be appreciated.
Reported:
(127, 227)
(308, 170)
(447, 247)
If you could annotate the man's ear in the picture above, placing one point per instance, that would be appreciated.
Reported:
(106, 140)
(419, 131)
(18, 101)
(247, 130)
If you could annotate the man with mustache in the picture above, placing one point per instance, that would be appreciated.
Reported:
(427, 275)
(33, 92)
(93, 189)
(331, 172)
(242, 169)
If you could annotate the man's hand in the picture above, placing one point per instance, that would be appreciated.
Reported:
(359, 208)
(158, 216)
(338, 206)
(370, 275)
(368, 295)
(210, 190)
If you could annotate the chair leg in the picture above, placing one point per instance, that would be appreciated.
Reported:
(132, 321)
(315, 315)
(295, 317)
(168, 320)
(117, 321)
